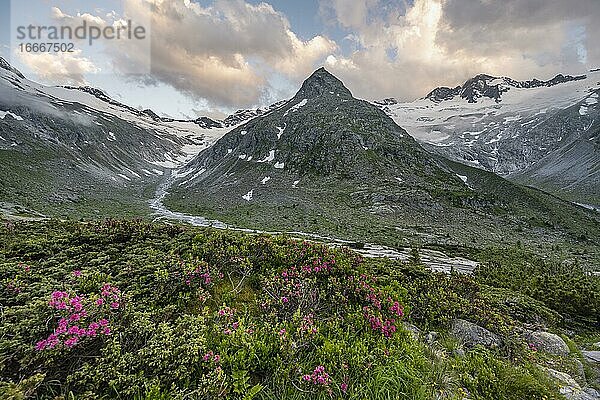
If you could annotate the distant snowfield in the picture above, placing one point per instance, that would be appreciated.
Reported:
(437, 123)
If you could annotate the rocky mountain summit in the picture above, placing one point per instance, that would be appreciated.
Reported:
(327, 159)
(323, 131)
(492, 87)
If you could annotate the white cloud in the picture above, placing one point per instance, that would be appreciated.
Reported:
(78, 19)
(444, 42)
(348, 13)
(224, 53)
(65, 68)
(227, 54)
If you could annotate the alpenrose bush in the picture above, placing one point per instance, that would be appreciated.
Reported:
(81, 317)
(199, 313)
(319, 296)
(206, 314)
(318, 289)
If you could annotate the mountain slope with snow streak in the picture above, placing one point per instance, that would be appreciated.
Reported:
(73, 150)
(510, 133)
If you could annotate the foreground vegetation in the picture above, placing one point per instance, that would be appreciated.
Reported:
(126, 309)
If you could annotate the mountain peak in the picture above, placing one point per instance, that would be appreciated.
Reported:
(322, 133)
(320, 83)
(492, 87)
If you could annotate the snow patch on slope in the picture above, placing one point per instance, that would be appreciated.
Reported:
(280, 129)
(15, 116)
(296, 107)
(268, 158)
(248, 196)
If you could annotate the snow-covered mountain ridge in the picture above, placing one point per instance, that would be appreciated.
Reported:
(493, 87)
(506, 126)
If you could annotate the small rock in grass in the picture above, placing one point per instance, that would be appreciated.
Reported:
(592, 356)
(548, 343)
(471, 334)
(415, 332)
(569, 387)
(431, 337)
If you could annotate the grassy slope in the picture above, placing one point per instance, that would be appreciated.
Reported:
(52, 184)
(169, 318)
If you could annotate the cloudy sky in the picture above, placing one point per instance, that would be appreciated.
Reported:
(210, 57)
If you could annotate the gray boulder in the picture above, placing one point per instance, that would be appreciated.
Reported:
(548, 343)
(592, 356)
(431, 337)
(471, 334)
(415, 332)
(569, 388)
(592, 393)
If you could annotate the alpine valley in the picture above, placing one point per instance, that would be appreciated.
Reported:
(324, 247)
(447, 171)
(325, 162)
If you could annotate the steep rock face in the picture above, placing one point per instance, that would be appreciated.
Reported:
(5, 65)
(443, 93)
(205, 122)
(241, 116)
(386, 102)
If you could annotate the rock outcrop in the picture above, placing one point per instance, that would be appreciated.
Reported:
(471, 334)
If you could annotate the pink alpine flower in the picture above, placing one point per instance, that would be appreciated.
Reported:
(78, 320)
(208, 356)
(344, 387)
